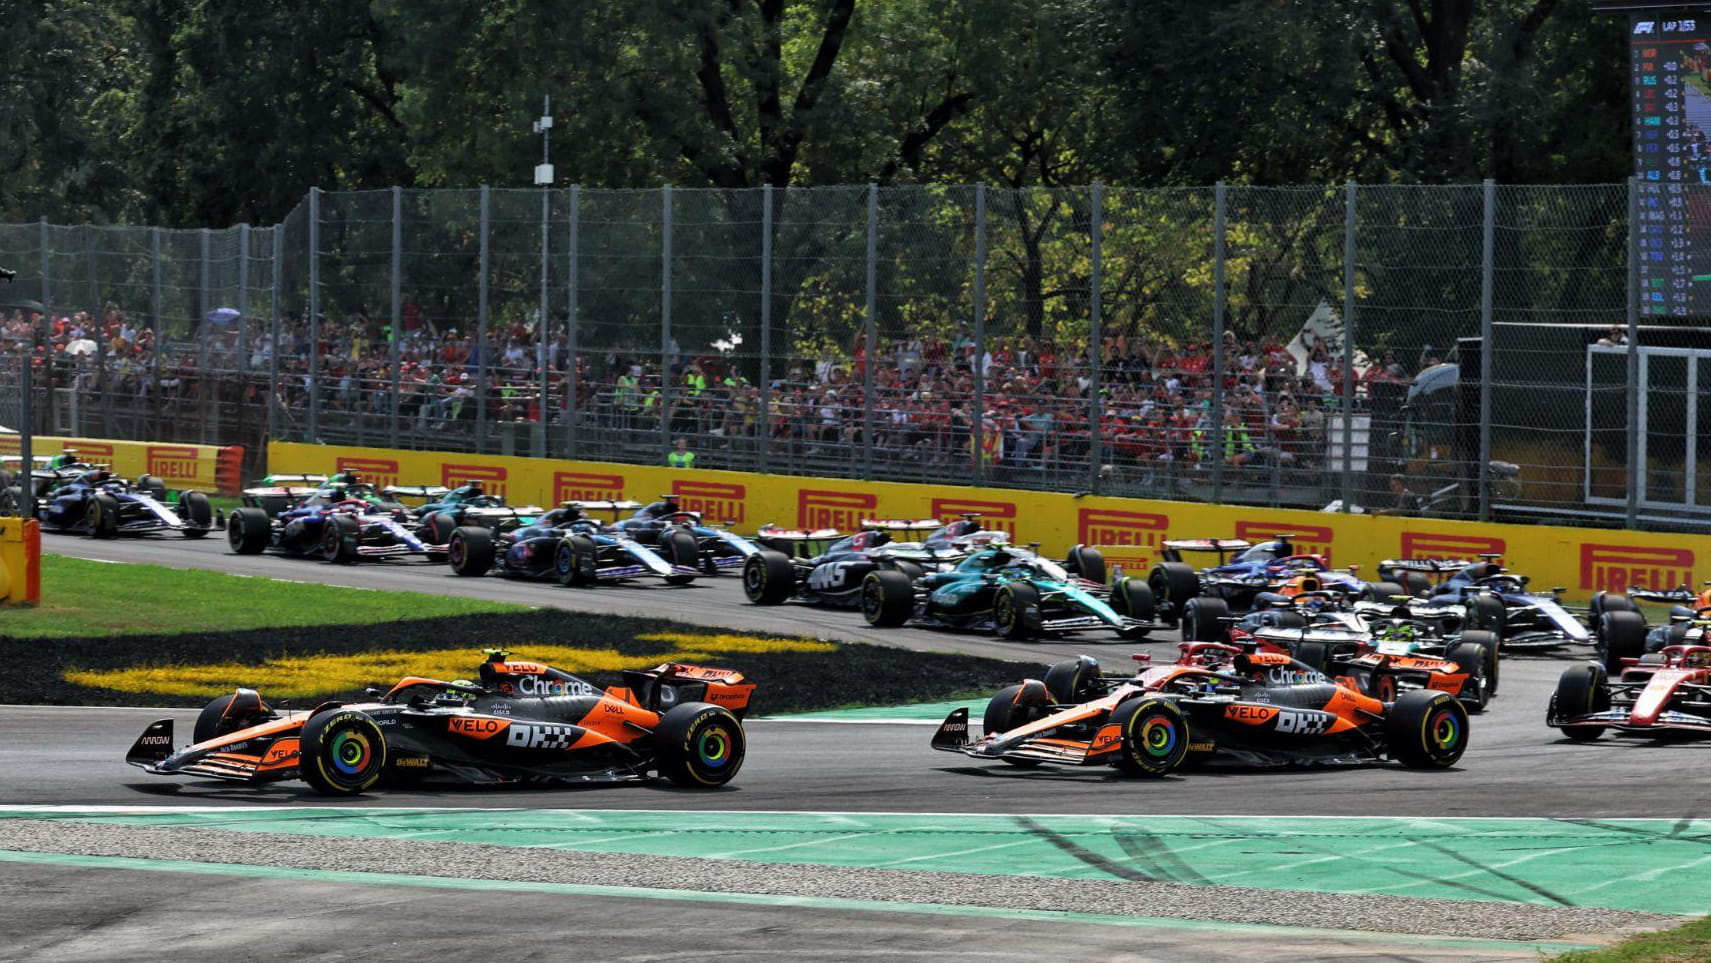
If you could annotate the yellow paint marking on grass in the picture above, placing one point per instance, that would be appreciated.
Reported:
(312, 676)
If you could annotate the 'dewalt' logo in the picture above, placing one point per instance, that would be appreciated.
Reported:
(1445, 545)
(172, 462)
(718, 503)
(378, 472)
(1128, 537)
(582, 486)
(491, 477)
(994, 516)
(1613, 568)
(843, 511)
(1308, 540)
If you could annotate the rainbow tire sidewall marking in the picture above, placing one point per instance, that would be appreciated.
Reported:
(1445, 732)
(351, 754)
(714, 747)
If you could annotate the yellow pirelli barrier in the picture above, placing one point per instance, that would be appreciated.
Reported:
(1128, 530)
(20, 561)
(215, 468)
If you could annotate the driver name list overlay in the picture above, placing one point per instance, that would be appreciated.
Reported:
(1671, 59)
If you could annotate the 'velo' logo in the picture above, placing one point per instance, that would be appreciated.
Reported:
(1136, 535)
(717, 502)
(1445, 545)
(491, 477)
(378, 472)
(579, 486)
(1613, 568)
(994, 516)
(174, 462)
(1308, 540)
(840, 510)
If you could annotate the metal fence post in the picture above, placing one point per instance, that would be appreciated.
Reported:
(539, 439)
(96, 322)
(314, 378)
(668, 389)
(1220, 305)
(1350, 267)
(395, 329)
(977, 417)
(1487, 301)
(275, 396)
(571, 412)
(1095, 353)
(763, 420)
(159, 334)
(243, 321)
(867, 331)
(199, 323)
(481, 352)
(1636, 471)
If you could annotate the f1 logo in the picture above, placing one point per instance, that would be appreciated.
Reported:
(378, 472)
(492, 477)
(843, 511)
(579, 486)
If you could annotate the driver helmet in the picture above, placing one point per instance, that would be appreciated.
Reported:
(473, 488)
(1399, 632)
(65, 460)
(1000, 558)
(100, 475)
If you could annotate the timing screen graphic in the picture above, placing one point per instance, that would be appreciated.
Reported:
(1672, 161)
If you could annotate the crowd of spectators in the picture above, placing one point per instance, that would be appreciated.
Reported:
(1032, 411)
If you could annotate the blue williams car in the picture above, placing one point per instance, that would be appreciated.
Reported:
(95, 501)
(1200, 601)
(345, 520)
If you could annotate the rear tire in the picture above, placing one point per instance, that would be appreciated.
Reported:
(769, 577)
(1174, 583)
(470, 550)
(1581, 689)
(1413, 583)
(1486, 612)
(887, 598)
(343, 752)
(1155, 736)
(248, 530)
(1624, 635)
(1202, 619)
(1089, 563)
(1471, 658)
(1493, 654)
(700, 745)
(1426, 729)
(1384, 592)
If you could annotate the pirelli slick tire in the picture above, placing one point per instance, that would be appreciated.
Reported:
(1154, 736)
(1087, 562)
(440, 527)
(1383, 591)
(887, 598)
(700, 745)
(1015, 706)
(1175, 583)
(1609, 602)
(342, 753)
(1203, 619)
(339, 534)
(1134, 598)
(101, 515)
(1074, 682)
(680, 548)
(197, 513)
(1413, 583)
(1016, 611)
(1486, 612)
(1471, 659)
(577, 561)
(1623, 636)
(152, 486)
(769, 577)
(1426, 729)
(470, 550)
(218, 718)
(1581, 689)
(248, 530)
(1493, 654)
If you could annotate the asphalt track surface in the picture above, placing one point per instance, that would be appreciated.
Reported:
(1515, 767)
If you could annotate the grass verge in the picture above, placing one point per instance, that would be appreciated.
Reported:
(1688, 943)
(83, 598)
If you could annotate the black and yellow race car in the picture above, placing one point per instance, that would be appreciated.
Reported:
(523, 722)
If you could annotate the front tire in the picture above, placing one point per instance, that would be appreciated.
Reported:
(218, 719)
(1493, 654)
(1012, 707)
(1134, 598)
(102, 515)
(887, 598)
(1155, 736)
(769, 577)
(343, 753)
(700, 745)
(1087, 562)
(1624, 635)
(339, 534)
(1175, 583)
(1487, 612)
(1203, 619)
(574, 560)
(248, 531)
(680, 549)
(1426, 729)
(1015, 611)
(1074, 682)
(1471, 659)
(470, 550)
(1581, 689)
(197, 512)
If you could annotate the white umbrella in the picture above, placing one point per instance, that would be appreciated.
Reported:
(80, 346)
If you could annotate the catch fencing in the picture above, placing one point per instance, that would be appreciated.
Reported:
(1277, 346)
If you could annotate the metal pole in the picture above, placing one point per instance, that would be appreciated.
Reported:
(570, 410)
(541, 328)
(665, 378)
(243, 321)
(96, 322)
(199, 319)
(763, 419)
(314, 315)
(1220, 305)
(396, 329)
(481, 328)
(274, 394)
(1348, 387)
(155, 324)
(868, 329)
(1095, 337)
(977, 417)
(1636, 471)
(1487, 285)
